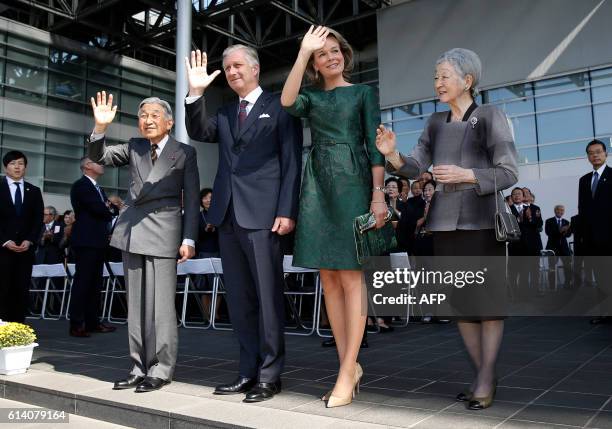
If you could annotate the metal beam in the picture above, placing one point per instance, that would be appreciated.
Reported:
(296, 14)
(83, 14)
(65, 6)
(332, 24)
(224, 32)
(331, 11)
(53, 10)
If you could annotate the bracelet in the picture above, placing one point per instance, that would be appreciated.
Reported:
(395, 156)
(379, 202)
(380, 188)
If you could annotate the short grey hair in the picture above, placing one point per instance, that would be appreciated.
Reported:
(84, 161)
(249, 53)
(155, 100)
(559, 206)
(52, 210)
(465, 62)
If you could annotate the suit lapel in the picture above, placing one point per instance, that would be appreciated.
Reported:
(144, 164)
(166, 160)
(232, 117)
(605, 176)
(253, 116)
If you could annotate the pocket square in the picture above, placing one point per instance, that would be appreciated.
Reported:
(264, 115)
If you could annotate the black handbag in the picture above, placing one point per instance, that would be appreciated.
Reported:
(506, 226)
(370, 241)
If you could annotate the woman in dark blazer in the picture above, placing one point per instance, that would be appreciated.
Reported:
(468, 147)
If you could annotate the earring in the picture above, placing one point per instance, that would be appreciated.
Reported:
(316, 74)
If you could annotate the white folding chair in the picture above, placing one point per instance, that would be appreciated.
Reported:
(401, 260)
(218, 289)
(117, 290)
(71, 270)
(289, 269)
(546, 256)
(48, 272)
(190, 268)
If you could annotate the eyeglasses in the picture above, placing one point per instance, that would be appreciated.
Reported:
(155, 116)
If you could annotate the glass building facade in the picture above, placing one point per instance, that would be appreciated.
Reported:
(56, 78)
(553, 119)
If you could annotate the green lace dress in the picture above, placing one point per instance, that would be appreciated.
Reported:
(337, 181)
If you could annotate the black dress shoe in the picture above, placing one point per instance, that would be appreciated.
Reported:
(128, 383)
(240, 385)
(78, 332)
(150, 384)
(262, 392)
(103, 329)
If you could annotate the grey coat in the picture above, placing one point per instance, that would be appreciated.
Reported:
(151, 222)
(483, 143)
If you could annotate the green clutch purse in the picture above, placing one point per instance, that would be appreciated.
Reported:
(370, 241)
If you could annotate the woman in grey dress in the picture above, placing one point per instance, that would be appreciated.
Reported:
(468, 147)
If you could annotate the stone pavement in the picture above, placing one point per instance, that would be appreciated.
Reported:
(553, 373)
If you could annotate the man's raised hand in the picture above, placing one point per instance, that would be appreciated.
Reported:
(199, 79)
(103, 110)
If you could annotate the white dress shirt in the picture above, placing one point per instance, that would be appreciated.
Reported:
(251, 97)
(13, 188)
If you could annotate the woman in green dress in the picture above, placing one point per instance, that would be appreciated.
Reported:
(343, 178)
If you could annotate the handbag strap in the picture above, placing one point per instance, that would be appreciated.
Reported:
(497, 193)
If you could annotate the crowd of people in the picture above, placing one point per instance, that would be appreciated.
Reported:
(261, 195)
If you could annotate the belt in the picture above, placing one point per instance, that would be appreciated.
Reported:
(328, 142)
(454, 187)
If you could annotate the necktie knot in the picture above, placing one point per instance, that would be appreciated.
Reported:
(154, 152)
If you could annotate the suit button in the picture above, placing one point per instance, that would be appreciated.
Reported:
(234, 171)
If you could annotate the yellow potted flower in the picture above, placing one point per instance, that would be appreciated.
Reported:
(16, 347)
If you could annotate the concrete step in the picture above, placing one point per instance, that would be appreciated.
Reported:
(178, 405)
(74, 421)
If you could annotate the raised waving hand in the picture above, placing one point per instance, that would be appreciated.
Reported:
(103, 111)
(314, 39)
(199, 79)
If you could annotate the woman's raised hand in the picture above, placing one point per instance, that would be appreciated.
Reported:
(199, 79)
(385, 141)
(314, 38)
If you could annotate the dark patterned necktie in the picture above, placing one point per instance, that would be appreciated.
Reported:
(153, 153)
(242, 113)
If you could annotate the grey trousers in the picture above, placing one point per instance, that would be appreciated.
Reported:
(152, 326)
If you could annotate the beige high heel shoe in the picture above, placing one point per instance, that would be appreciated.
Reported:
(358, 375)
(337, 401)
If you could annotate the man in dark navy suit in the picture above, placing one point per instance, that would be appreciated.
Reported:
(558, 229)
(21, 219)
(93, 213)
(595, 211)
(256, 198)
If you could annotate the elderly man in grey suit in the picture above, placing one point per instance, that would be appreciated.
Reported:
(150, 231)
